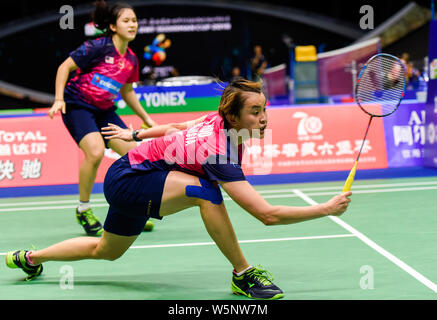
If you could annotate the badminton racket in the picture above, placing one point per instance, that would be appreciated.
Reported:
(379, 90)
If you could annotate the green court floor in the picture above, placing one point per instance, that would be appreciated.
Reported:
(383, 247)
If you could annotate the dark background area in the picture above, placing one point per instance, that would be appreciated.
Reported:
(30, 58)
(347, 10)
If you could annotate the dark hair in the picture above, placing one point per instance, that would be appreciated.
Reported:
(104, 15)
(232, 100)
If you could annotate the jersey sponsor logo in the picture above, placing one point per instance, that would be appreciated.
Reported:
(106, 83)
(109, 60)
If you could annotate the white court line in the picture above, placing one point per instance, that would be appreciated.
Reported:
(327, 193)
(37, 203)
(356, 187)
(273, 196)
(49, 208)
(193, 244)
(431, 285)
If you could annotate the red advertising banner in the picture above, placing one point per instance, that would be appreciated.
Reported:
(319, 138)
(36, 151)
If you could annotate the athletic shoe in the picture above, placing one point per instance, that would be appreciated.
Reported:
(89, 222)
(17, 259)
(256, 283)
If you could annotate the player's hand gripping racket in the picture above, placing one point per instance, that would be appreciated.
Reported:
(379, 91)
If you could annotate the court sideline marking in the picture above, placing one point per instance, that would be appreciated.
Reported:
(431, 285)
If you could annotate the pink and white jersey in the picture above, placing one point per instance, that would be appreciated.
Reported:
(204, 150)
(101, 74)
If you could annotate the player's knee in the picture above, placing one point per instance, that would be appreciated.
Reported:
(107, 254)
(113, 256)
(201, 203)
(95, 155)
(110, 256)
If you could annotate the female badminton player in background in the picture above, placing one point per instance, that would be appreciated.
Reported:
(184, 169)
(104, 67)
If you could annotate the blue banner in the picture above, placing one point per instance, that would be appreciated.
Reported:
(430, 149)
(405, 135)
(432, 58)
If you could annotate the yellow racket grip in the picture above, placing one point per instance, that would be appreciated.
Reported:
(144, 126)
(350, 178)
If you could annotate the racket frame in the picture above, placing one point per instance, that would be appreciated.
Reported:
(361, 74)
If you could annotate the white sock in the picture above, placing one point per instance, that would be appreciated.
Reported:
(83, 205)
(240, 273)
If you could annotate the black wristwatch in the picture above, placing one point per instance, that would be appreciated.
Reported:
(134, 135)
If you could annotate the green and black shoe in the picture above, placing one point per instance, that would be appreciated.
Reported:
(17, 259)
(256, 283)
(89, 222)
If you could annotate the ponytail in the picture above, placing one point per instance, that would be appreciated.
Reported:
(100, 16)
(104, 15)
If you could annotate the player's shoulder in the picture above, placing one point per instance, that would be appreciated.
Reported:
(214, 124)
(97, 44)
(213, 117)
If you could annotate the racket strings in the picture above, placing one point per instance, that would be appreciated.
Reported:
(381, 83)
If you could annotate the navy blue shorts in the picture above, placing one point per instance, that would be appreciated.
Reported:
(80, 120)
(134, 196)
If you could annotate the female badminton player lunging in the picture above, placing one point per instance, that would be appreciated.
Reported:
(104, 67)
(184, 169)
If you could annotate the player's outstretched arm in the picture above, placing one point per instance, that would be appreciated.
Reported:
(250, 200)
(113, 131)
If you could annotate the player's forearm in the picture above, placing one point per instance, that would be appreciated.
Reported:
(158, 131)
(288, 215)
(132, 101)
